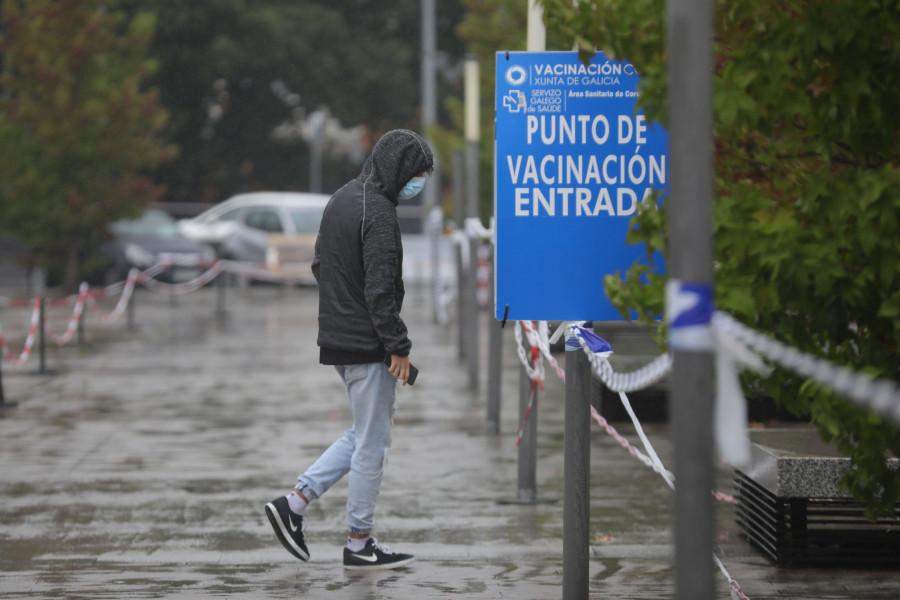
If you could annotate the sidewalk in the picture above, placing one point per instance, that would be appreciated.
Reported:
(140, 470)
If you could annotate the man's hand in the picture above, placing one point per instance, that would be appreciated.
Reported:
(400, 367)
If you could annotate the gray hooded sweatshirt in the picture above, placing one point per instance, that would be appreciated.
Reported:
(359, 256)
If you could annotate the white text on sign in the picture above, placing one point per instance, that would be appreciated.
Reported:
(565, 184)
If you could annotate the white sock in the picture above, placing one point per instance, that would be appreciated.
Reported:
(296, 503)
(356, 545)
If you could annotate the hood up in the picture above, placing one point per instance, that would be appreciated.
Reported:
(397, 157)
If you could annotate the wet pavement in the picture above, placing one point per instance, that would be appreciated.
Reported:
(140, 469)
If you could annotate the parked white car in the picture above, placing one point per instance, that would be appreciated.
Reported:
(276, 232)
(267, 212)
(243, 224)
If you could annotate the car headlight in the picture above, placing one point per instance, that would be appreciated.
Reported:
(138, 255)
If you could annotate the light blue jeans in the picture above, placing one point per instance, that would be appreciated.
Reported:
(362, 450)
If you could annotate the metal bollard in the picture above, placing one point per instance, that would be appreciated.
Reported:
(495, 367)
(434, 239)
(473, 313)
(131, 325)
(471, 86)
(80, 327)
(2, 397)
(42, 336)
(3, 403)
(527, 482)
(461, 287)
(221, 285)
(576, 475)
(459, 211)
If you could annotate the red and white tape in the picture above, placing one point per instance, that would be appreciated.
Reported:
(18, 362)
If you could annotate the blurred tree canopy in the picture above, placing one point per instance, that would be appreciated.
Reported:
(486, 27)
(243, 84)
(807, 190)
(233, 73)
(77, 131)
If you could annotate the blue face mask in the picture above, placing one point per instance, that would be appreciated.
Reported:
(412, 188)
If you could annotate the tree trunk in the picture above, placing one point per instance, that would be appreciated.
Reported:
(70, 277)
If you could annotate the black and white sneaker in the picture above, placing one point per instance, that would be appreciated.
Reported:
(288, 526)
(375, 556)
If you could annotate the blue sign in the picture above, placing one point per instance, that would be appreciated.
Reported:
(573, 161)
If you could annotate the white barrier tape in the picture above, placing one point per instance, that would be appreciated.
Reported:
(85, 296)
(434, 224)
(564, 329)
(17, 363)
(72, 326)
(733, 586)
(730, 420)
(667, 476)
(7, 302)
(598, 349)
(689, 310)
(32, 330)
(644, 377)
(443, 294)
(599, 352)
(259, 271)
(574, 344)
(184, 260)
(182, 288)
(535, 372)
(474, 229)
(538, 338)
(460, 239)
(156, 269)
(602, 350)
(111, 290)
(622, 441)
(126, 288)
(534, 367)
(879, 395)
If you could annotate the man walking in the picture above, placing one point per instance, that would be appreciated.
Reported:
(358, 265)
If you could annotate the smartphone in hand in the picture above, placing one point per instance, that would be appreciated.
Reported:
(413, 371)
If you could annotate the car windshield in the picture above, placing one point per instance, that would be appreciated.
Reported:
(152, 223)
(306, 220)
(229, 215)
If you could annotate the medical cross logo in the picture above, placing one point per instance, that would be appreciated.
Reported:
(515, 101)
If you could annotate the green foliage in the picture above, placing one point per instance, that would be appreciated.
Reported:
(76, 130)
(807, 191)
(487, 27)
(632, 29)
(642, 290)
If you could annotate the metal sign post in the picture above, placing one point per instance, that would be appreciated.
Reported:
(472, 115)
(573, 162)
(495, 365)
(690, 256)
(577, 475)
(529, 394)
